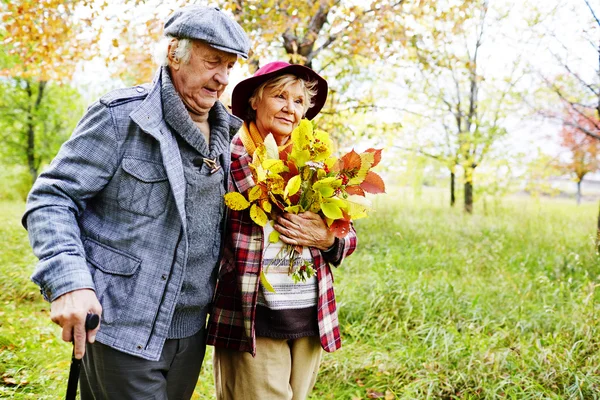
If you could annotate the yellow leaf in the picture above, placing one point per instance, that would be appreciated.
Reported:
(293, 209)
(274, 236)
(236, 201)
(266, 205)
(258, 215)
(254, 193)
(292, 186)
(275, 184)
(275, 166)
(300, 157)
(322, 145)
(366, 160)
(265, 282)
(357, 206)
(271, 149)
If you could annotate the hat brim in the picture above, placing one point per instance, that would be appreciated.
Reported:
(243, 90)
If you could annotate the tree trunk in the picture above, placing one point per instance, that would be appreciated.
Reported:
(598, 233)
(469, 172)
(452, 184)
(578, 192)
(32, 163)
(469, 197)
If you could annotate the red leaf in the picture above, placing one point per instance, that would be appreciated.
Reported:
(350, 161)
(376, 154)
(373, 183)
(340, 228)
(292, 167)
(355, 189)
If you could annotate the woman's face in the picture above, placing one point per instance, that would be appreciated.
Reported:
(278, 112)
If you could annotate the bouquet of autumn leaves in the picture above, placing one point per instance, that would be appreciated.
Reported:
(304, 176)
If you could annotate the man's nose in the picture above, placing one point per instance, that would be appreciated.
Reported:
(222, 75)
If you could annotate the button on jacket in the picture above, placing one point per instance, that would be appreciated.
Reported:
(108, 214)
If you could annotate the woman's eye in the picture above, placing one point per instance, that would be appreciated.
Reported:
(299, 101)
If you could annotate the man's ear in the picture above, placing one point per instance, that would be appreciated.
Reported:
(174, 61)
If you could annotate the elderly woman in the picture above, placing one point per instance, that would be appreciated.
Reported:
(268, 345)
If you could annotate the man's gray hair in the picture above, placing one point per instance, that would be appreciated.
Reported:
(183, 51)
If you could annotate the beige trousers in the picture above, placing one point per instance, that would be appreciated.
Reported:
(282, 370)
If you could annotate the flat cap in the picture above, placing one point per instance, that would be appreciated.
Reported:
(210, 25)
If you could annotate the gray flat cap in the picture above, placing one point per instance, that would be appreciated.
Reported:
(210, 25)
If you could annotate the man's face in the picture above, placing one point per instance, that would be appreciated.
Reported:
(201, 81)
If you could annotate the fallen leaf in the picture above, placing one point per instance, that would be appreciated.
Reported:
(8, 381)
(373, 394)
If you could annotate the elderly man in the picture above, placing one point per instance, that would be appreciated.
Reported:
(127, 219)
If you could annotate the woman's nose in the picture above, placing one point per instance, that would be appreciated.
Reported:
(289, 106)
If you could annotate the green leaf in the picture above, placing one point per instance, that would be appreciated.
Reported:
(331, 210)
(327, 186)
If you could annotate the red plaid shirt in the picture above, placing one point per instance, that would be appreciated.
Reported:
(232, 320)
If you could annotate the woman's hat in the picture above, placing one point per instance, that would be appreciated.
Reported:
(243, 90)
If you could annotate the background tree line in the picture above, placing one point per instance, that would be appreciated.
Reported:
(426, 79)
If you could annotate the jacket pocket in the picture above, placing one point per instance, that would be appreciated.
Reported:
(115, 274)
(143, 187)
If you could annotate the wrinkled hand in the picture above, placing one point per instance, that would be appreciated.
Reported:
(69, 311)
(305, 229)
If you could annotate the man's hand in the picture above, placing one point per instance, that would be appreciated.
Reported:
(69, 311)
(305, 229)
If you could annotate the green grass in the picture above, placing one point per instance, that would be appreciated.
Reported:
(434, 304)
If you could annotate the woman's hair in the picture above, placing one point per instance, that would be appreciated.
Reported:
(279, 84)
(183, 51)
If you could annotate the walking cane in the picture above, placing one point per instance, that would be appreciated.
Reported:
(91, 322)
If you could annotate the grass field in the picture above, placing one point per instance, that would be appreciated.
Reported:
(433, 305)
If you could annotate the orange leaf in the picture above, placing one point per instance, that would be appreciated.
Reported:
(355, 189)
(350, 161)
(376, 154)
(373, 183)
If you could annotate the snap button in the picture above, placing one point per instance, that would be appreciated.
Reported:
(140, 89)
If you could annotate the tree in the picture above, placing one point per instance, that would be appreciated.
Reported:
(584, 149)
(353, 44)
(36, 117)
(464, 106)
(578, 83)
(43, 42)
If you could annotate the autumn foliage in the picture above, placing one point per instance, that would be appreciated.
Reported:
(584, 149)
(43, 40)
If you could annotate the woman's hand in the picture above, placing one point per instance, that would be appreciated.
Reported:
(305, 229)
